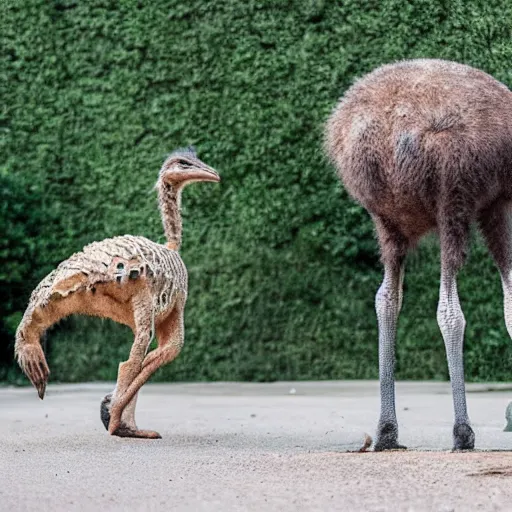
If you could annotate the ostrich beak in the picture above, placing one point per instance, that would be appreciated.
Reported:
(193, 175)
(205, 174)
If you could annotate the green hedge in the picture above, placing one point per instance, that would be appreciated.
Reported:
(283, 266)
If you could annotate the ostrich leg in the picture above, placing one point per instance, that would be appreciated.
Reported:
(120, 420)
(454, 239)
(170, 340)
(496, 226)
(388, 303)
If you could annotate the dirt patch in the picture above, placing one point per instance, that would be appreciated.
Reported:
(504, 471)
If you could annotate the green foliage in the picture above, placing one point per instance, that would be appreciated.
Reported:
(22, 214)
(283, 265)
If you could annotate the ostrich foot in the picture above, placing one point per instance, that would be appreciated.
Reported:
(463, 437)
(123, 430)
(387, 437)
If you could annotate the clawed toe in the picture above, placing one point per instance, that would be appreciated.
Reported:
(383, 446)
(124, 431)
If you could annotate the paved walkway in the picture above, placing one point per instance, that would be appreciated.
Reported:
(252, 447)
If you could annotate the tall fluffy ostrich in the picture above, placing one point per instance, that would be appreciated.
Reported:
(427, 145)
(131, 280)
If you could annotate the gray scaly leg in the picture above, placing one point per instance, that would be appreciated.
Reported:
(506, 279)
(496, 226)
(388, 302)
(452, 323)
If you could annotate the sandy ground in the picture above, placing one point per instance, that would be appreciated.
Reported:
(252, 447)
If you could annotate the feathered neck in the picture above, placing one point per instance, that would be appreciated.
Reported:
(169, 200)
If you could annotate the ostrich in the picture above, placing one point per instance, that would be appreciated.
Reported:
(131, 280)
(426, 145)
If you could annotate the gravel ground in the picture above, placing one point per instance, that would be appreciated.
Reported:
(255, 447)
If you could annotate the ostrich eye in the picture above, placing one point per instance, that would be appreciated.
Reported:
(184, 163)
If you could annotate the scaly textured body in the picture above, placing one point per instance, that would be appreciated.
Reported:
(111, 264)
(131, 280)
(427, 145)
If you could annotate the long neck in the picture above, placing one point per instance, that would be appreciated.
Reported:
(169, 199)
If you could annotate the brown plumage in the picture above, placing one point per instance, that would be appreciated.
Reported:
(427, 145)
(131, 280)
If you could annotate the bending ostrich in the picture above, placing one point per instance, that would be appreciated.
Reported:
(131, 280)
(427, 145)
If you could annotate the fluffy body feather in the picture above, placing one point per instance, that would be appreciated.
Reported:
(427, 145)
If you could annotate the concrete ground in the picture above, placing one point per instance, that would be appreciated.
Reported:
(252, 447)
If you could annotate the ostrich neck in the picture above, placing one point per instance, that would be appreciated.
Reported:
(169, 198)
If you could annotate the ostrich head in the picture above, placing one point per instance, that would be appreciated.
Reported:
(180, 168)
(183, 167)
